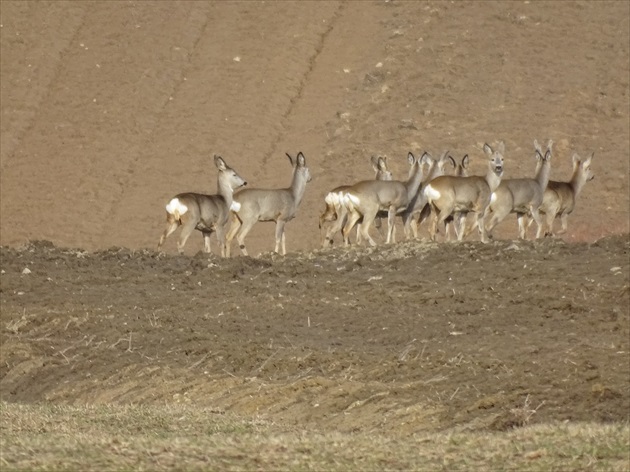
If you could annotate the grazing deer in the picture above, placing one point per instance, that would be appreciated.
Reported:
(279, 205)
(365, 199)
(335, 210)
(560, 197)
(522, 196)
(205, 213)
(449, 194)
(417, 212)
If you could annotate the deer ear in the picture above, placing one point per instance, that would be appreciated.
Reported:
(537, 147)
(549, 145)
(539, 156)
(375, 162)
(576, 159)
(290, 159)
(548, 155)
(465, 161)
(381, 164)
(587, 162)
(411, 158)
(452, 160)
(301, 160)
(487, 149)
(219, 162)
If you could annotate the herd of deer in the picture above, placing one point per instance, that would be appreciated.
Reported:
(427, 191)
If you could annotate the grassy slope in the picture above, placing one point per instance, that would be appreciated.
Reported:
(184, 437)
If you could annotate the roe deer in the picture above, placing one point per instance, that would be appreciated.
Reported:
(416, 211)
(365, 199)
(335, 210)
(448, 194)
(559, 197)
(522, 196)
(279, 205)
(458, 219)
(206, 213)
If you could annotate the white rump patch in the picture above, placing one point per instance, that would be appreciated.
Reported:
(332, 198)
(176, 208)
(431, 193)
(351, 199)
(493, 198)
(235, 206)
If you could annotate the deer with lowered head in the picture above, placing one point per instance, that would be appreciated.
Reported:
(365, 199)
(279, 205)
(559, 198)
(336, 211)
(449, 194)
(522, 196)
(205, 213)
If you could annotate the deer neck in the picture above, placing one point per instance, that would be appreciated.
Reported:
(493, 179)
(542, 176)
(414, 180)
(226, 191)
(298, 186)
(578, 180)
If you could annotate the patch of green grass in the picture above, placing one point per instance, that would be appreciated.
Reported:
(174, 437)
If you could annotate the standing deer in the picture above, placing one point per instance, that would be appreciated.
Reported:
(449, 194)
(560, 197)
(279, 205)
(457, 220)
(365, 199)
(416, 212)
(522, 196)
(335, 210)
(205, 213)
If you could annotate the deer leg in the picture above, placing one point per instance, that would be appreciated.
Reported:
(245, 228)
(280, 236)
(353, 217)
(564, 219)
(434, 223)
(522, 231)
(479, 222)
(171, 225)
(342, 215)
(460, 224)
(206, 241)
(535, 214)
(368, 219)
(391, 226)
(187, 229)
(407, 219)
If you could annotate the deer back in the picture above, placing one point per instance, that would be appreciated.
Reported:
(274, 204)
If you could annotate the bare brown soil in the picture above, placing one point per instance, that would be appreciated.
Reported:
(409, 337)
(109, 108)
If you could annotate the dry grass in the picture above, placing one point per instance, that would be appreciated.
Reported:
(36, 437)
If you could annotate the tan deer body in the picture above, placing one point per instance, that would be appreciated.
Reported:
(458, 219)
(279, 205)
(522, 196)
(449, 195)
(365, 199)
(336, 212)
(418, 211)
(560, 197)
(205, 213)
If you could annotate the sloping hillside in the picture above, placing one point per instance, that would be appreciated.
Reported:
(110, 108)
